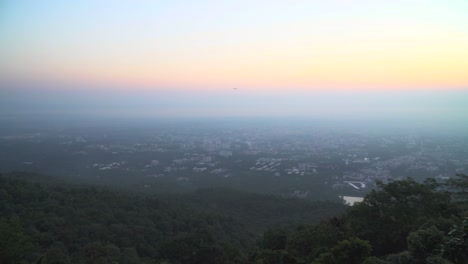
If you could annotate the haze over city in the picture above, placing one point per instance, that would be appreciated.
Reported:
(234, 132)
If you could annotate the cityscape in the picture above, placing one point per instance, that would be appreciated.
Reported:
(273, 159)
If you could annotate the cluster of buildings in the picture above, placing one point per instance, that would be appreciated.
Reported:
(345, 160)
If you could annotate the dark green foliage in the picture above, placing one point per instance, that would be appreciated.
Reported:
(424, 243)
(271, 248)
(14, 243)
(403, 257)
(274, 239)
(268, 256)
(374, 260)
(129, 256)
(456, 246)
(73, 224)
(403, 222)
(308, 242)
(459, 189)
(57, 253)
(386, 217)
(197, 248)
(349, 251)
(100, 253)
(459, 186)
(437, 260)
(409, 222)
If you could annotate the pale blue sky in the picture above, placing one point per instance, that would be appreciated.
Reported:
(329, 59)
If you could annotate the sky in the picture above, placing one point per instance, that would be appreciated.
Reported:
(315, 58)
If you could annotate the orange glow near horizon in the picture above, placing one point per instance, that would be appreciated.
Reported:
(345, 49)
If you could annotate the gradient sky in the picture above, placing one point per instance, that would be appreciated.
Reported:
(185, 57)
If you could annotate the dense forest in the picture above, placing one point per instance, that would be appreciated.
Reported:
(45, 220)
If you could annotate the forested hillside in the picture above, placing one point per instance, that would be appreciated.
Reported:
(403, 222)
(47, 221)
